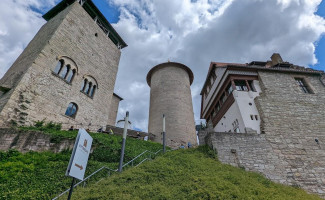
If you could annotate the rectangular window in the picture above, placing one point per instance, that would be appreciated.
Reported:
(302, 85)
(256, 117)
(223, 98)
(229, 88)
(217, 107)
(252, 117)
(241, 85)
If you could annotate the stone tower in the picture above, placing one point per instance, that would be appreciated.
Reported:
(67, 72)
(170, 94)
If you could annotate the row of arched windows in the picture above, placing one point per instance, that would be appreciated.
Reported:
(68, 72)
(65, 71)
(88, 87)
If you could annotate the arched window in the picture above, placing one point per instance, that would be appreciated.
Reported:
(89, 86)
(84, 83)
(92, 91)
(71, 110)
(71, 75)
(64, 72)
(58, 67)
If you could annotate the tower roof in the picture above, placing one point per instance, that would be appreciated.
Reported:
(93, 11)
(175, 64)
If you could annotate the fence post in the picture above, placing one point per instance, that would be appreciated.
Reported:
(126, 123)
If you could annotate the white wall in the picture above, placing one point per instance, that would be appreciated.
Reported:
(225, 124)
(242, 111)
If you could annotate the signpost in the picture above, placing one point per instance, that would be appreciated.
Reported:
(79, 157)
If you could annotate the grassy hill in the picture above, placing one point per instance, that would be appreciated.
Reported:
(41, 175)
(188, 174)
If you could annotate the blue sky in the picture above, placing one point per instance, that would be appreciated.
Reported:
(320, 48)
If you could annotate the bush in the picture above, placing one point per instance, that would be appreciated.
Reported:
(39, 124)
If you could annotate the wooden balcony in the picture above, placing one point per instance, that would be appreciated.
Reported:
(223, 109)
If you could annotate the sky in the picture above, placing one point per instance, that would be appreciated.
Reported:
(192, 32)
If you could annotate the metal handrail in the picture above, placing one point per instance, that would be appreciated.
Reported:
(102, 168)
(135, 158)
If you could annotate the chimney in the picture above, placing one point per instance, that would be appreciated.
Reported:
(276, 59)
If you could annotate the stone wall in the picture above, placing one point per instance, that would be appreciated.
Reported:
(170, 94)
(113, 110)
(291, 148)
(131, 133)
(40, 95)
(25, 141)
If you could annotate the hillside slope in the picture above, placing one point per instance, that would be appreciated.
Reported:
(188, 174)
(41, 175)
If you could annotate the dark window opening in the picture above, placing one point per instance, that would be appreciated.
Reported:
(241, 85)
(223, 98)
(71, 110)
(303, 86)
(217, 107)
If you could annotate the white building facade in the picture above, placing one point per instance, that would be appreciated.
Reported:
(228, 98)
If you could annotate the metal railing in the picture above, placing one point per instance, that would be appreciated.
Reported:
(149, 157)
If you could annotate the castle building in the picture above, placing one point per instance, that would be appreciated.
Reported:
(268, 117)
(170, 95)
(67, 72)
(230, 90)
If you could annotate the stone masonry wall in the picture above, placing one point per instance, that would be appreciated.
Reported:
(25, 141)
(249, 151)
(40, 95)
(292, 122)
(113, 110)
(291, 148)
(27, 57)
(170, 94)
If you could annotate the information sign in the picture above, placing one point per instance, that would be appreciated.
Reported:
(79, 158)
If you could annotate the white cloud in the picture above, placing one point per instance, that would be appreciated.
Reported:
(18, 25)
(193, 32)
(198, 32)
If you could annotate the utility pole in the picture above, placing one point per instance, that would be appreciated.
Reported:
(126, 123)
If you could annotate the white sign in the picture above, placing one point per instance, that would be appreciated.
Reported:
(79, 157)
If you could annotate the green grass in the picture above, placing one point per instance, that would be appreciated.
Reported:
(41, 175)
(188, 174)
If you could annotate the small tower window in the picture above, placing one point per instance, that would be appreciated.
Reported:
(303, 86)
(71, 110)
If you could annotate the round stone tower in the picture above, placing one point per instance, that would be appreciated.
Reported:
(170, 94)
